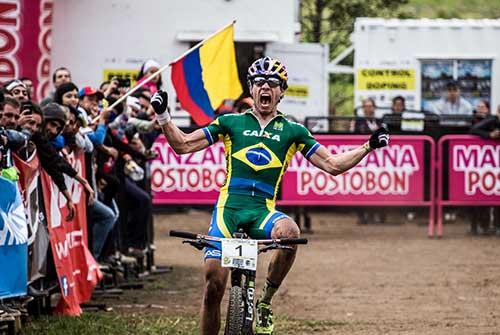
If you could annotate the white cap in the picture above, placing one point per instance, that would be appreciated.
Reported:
(150, 63)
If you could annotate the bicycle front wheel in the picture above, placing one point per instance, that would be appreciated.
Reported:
(235, 312)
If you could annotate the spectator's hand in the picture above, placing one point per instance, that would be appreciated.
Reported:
(105, 115)
(71, 210)
(379, 138)
(495, 134)
(23, 119)
(159, 101)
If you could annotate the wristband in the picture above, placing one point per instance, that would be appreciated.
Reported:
(163, 118)
(367, 147)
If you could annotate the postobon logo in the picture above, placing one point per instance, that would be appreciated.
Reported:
(44, 44)
(9, 39)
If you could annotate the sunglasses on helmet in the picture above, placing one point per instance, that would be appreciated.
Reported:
(271, 81)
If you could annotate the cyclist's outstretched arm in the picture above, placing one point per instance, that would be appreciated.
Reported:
(180, 141)
(184, 143)
(340, 163)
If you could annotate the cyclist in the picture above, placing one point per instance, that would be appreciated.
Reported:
(259, 145)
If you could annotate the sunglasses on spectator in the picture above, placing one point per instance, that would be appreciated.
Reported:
(271, 81)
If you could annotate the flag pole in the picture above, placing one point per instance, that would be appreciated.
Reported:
(163, 68)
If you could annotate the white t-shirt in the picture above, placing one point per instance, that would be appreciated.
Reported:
(461, 107)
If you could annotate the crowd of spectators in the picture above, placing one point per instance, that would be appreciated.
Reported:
(76, 118)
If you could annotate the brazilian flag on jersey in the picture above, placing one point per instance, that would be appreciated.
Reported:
(257, 157)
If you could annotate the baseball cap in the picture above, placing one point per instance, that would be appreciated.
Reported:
(88, 91)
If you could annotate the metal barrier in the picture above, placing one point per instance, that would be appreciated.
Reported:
(473, 164)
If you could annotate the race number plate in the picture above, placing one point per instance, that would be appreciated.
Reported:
(239, 253)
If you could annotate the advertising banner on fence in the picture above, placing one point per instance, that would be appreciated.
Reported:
(13, 241)
(38, 235)
(191, 179)
(395, 173)
(77, 270)
(474, 169)
(26, 27)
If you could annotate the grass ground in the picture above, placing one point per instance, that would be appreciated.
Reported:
(152, 324)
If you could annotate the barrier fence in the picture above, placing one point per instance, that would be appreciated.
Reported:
(21, 220)
(403, 174)
(468, 173)
(398, 175)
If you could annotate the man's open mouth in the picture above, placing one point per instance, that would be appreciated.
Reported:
(265, 99)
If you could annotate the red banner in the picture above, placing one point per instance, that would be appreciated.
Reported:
(77, 270)
(25, 32)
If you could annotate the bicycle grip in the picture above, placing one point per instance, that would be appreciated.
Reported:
(286, 241)
(183, 234)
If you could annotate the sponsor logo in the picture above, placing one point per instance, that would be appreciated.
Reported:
(213, 253)
(65, 285)
(278, 126)
(262, 133)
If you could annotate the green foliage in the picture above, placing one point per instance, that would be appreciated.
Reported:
(447, 9)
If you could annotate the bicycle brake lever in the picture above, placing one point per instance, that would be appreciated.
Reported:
(197, 244)
(200, 245)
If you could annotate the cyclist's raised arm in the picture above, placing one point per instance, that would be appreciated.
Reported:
(320, 157)
(180, 141)
(339, 163)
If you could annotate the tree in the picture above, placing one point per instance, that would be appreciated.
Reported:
(332, 21)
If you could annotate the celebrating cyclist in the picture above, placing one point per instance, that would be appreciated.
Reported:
(259, 145)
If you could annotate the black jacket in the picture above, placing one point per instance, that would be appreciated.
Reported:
(52, 162)
(486, 126)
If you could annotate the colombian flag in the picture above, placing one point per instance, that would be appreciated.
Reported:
(206, 76)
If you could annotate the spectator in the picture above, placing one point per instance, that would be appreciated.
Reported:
(148, 68)
(51, 161)
(366, 124)
(31, 121)
(398, 105)
(67, 94)
(11, 112)
(489, 127)
(481, 112)
(89, 101)
(17, 89)
(453, 103)
(60, 76)
(29, 86)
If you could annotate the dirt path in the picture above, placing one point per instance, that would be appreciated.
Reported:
(375, 279)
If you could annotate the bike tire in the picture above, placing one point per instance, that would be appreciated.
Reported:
(235, 312)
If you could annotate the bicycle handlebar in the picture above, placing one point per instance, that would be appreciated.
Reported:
(183, 234)
(282, 241)
(288, 241)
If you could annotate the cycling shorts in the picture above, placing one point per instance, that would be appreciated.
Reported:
(239, 211)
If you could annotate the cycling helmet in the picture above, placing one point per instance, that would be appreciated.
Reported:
(267, 66)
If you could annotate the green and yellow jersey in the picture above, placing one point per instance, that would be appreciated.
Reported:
(256, 159)
(256, 156)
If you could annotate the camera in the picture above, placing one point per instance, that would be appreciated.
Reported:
(123, 82)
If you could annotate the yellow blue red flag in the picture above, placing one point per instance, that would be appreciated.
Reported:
(207, 75)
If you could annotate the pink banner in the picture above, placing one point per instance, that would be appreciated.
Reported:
(474, 169)
(25, 30)
(187, 179)
(394, 174)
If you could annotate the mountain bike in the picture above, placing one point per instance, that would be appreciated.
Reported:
(240, 255)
